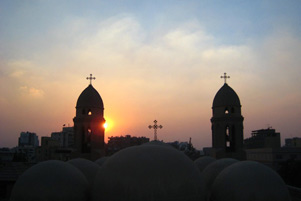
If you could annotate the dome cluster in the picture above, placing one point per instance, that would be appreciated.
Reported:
(152, 172)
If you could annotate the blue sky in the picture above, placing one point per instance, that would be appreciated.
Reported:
(151, 59)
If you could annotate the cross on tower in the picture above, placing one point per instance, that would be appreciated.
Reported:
(155, 127)
(90, 78)
(225, 77)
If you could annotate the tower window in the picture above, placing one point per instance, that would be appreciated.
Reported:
(226, 111)
(232, 110)
(89, 113)
(227, 137)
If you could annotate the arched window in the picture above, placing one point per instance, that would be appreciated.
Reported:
(226, 111)
(89, 113)
(227, 136)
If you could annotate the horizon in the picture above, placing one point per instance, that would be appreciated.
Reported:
(152, 60)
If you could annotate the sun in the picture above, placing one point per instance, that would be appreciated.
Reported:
(105, 125)
(108, 125)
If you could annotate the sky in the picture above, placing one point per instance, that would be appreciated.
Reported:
(152, 60)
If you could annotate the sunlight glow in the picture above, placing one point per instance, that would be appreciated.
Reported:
(105, 125)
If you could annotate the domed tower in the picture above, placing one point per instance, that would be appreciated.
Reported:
(227, 124)
(89, 124)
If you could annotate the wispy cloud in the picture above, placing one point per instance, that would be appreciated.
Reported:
(31, 92)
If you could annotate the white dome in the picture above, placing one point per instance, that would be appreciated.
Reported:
(51, 180)
(148, 173)
(157, 143)
(249, 181)
(203, 162)
(101, 160)
(88, 168)
(213, 170)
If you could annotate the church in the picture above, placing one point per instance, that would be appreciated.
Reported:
(227, 124)
(153, 171)
(89, 124)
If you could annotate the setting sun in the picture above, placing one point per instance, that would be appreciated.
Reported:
(105, 125)
(108, 124)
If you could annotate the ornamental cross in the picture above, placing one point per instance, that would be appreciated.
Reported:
(225, 77)
(155, 127)
(90, 78)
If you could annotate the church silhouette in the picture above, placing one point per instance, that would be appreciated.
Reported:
(89, 130)
(153, 171)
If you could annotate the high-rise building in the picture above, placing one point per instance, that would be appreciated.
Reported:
(263, 138)
(65, 137)
(28, 139)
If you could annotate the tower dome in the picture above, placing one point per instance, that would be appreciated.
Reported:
(226, 96)
(89, 98)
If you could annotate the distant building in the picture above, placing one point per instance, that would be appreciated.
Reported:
(24, 153)
(227, 124)
(274, 157)
(263, 138)
(26, 149)
(6, 155)
(293, 142)
(115, 144)
(65, 137)
(51, 149)
(187, 148)
(28, 139)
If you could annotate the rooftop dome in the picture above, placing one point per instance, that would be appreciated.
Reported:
(248, 181)
(51, 180)
(226, 96)
(147, 173)
(203, 162)
(88, 168)
(213, 170)
(89, 98)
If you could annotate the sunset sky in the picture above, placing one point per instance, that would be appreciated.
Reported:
(152, 60)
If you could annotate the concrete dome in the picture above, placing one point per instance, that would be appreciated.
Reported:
(148, 173)
(213, 170)
(203, 162)
(88, 168)
(51, 180)
(226, 96)
(157, 143)
(89, 98)
(101, 160)
(249, 181)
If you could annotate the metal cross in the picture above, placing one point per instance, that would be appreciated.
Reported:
(155, 127)
(90, 78)
(225, 77)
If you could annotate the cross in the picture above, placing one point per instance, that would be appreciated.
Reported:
(90, 78)
(225, 77)
(155, 127)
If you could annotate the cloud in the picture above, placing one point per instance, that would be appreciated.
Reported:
(160, 73)
(31, 92)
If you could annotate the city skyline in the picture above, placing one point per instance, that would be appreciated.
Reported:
(152, 60)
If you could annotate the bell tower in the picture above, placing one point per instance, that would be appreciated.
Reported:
(227, 124)
(89, 123)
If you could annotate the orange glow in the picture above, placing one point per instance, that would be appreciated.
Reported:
(105, 125)
(108, 125)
